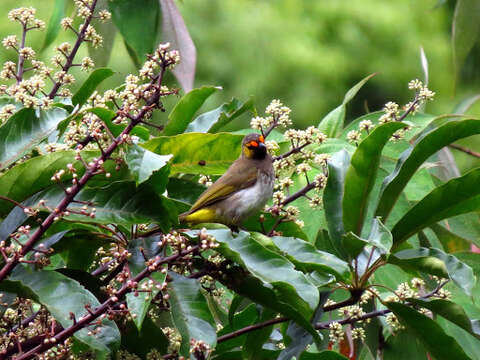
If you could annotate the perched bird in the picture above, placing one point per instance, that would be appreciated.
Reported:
(243, 190)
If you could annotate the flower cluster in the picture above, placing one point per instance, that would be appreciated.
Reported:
(32, 91)
(276, 115)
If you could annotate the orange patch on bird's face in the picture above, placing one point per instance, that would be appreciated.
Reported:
(253, 143)
(261, 139)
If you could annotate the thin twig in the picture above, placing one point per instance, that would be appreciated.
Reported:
(80, 38)
(465, 150)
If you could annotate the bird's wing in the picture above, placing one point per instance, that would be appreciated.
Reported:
(240, 175)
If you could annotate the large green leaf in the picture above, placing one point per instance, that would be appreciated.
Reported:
(239, 320)
(307, 258)
(299, 338)
(333, 197)
(54, 23)
(190, 313)
(435, 340)
(465, 30)
(196, 153)
(332, 123)
(33, 175)
(452, 312)
(137, 21)
(255, 340)
(108, 115)
(90, 85)
(121, 203)
(142, 342)
(62, 296)
(436, 262)
(380, 238)
(438, 134)
(458, 196)
(143, 163)
(139, 249)
(361, 175)
(182, 114)
(269, 267)
(450, 241)
(403, 345)
(25, 130)
(214, 120)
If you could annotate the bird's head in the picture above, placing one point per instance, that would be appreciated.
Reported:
(253, 147)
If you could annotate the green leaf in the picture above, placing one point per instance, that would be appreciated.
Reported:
(332, 124)
(450, 241)
(14, 219)
(240, 319)
(142, 342)
(139, 303)
(182, 114)
(361, 175)
(194, 153)
(465, 30)
(33, 175)
(214, 120)
(190, 313)
(452, 312)
(143, 163)
(62, 296)
(90, 85)
(53, 26)
(25, 130)
(437, 135)
(323, 355)
(300, 338)
(435, 340)
(403, 345)
(333, 197)
(137, 21)
(290, 285)
(108, 115)
(256, 339)
(380, 237)
(307, 258)
(436, 262)
(121, 203)
(458, 196)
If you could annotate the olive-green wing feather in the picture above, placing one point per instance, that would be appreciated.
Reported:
(240, 175)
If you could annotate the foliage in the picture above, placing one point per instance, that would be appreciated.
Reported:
(355, 256)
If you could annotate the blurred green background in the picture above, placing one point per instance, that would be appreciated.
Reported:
(307, 53)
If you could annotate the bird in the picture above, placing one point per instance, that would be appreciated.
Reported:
(240, 192)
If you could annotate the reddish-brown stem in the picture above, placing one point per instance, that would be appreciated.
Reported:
(75, 189)
(21, 59)
(80, 38)
(93, 314)
(299, 193)
(294, 150)
(465, 150)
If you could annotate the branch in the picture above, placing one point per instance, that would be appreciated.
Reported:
(21, 59)
(75, 189)
(86, 320)
(465, 150)
(73, 53)
(324, 325)
(295, 150)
